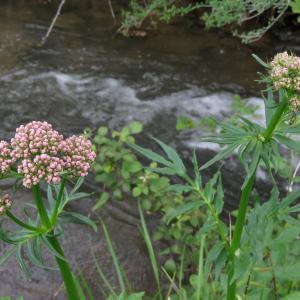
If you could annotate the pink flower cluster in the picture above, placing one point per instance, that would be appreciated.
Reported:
(5, 157)
(39, 152)
(78, 155)
(35, 138)
(285, 71)
(295, 103)
(5, 203)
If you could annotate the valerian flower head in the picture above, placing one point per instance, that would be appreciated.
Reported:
(5, 203)
(295, 103)
(38, 152)
(35, 138)
(5, 157)
(78, 155)
(285, 71)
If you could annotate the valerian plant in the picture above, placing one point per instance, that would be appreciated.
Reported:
(251, 246)
(39, 154)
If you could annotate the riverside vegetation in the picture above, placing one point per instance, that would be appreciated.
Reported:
(213, 13)
(255, 256)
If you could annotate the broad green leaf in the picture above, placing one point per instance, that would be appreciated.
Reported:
(292, 295)
(289, 271)
(136, 192)
(135, 127)
(131, 166)
(295, 7)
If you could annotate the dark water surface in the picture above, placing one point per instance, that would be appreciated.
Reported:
(86, 76)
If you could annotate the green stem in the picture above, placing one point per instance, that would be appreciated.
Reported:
(65, 270)
(63, 265)
(275, 119)
(238, 229)
(20, 223)
(40, 206)
(216, 219)
(58, 200)
(246, 192)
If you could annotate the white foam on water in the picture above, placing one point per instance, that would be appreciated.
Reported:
(66, 82)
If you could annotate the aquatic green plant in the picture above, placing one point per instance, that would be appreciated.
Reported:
(39, 154)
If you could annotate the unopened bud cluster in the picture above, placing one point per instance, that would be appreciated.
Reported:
(285, 71)
(295, 103)
(5, 203)
(39, 152)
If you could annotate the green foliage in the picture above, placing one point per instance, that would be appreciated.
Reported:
(33, 235)
(122, 174)
(295, 5)
(214, 13)
(239, 107)
(260, 259)
(9, 298)
(140, 11)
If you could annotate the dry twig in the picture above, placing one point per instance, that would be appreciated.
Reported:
(53, 22)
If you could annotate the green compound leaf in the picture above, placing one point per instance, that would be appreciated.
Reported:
(173, 156)
(21, 261)
(151, 155)
(72, 217)
(185, 208)
(8, 254)
(292, 145)
(101, 201)
(221, 155)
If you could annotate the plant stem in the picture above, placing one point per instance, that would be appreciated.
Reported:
(58, 200)
(212, 210)
(216, 219)
(238, 229)
(246, 192)
(65, 270)
(20, 223)
(63, 265)
(40, 206)
(275, 119)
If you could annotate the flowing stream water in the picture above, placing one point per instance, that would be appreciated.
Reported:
(88, 76)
